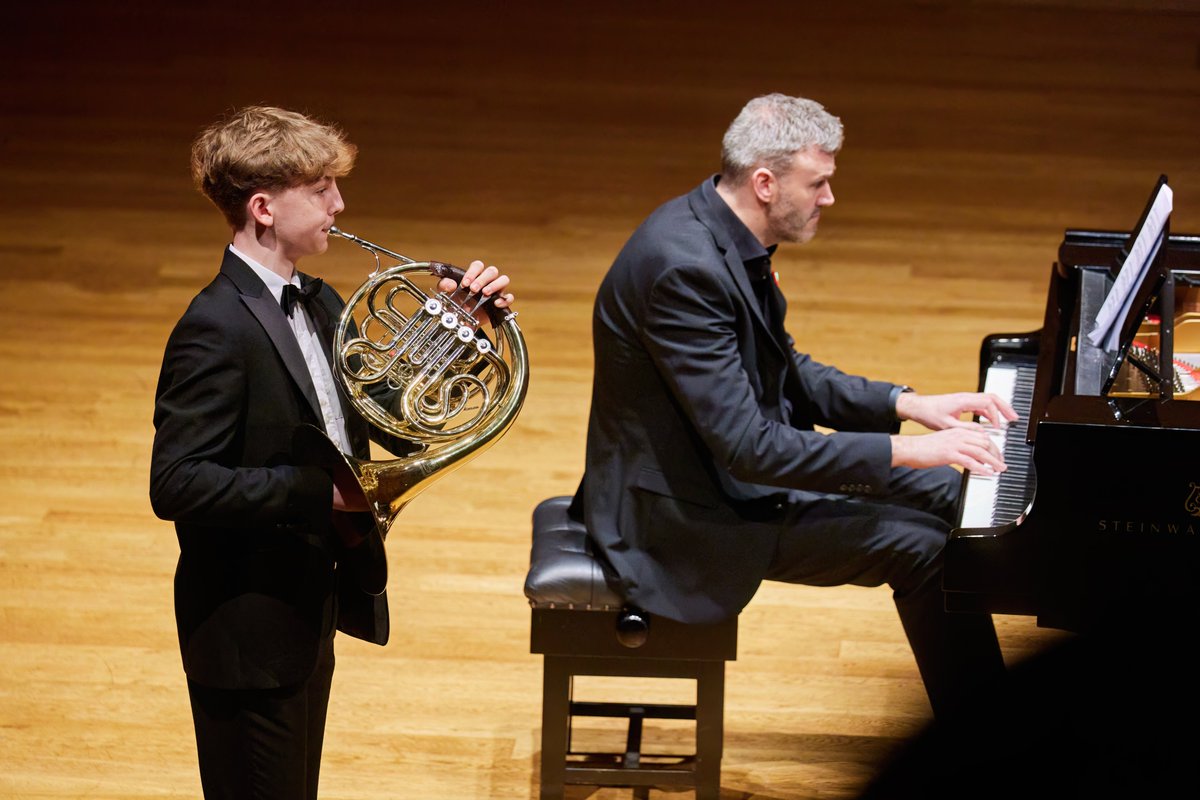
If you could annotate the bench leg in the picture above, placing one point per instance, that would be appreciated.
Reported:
(709, 713)
(556, 700)
(710, 731)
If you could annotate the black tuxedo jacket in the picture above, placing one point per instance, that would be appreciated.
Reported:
(703, 415)
(258, 585)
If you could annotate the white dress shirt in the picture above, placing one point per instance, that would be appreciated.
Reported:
(310, 346)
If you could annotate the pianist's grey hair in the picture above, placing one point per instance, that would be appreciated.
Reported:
(769, 129)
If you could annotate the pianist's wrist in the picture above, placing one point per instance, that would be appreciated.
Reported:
(896, 403)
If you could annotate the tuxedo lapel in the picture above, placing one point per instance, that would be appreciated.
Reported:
(271, 317)
(266, 310)
(325, 313)
(323, 317)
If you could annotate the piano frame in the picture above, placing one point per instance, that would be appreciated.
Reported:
(1113, 526)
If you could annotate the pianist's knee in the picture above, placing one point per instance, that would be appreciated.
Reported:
(934, 490)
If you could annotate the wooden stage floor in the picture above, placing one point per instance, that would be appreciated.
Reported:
(535, 136)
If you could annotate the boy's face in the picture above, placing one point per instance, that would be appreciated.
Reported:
(303, 215)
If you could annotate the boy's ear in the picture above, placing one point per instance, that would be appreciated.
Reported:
(258, 209)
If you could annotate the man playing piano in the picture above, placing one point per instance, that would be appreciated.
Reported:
(704, 474)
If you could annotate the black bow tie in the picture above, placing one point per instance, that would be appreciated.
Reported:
(292, 294)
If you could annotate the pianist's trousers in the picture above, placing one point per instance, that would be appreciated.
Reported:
(896, 538)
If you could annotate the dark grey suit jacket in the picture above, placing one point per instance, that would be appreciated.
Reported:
(702, 418)
(258, 584)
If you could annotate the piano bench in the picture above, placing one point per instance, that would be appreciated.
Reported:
(581, 626)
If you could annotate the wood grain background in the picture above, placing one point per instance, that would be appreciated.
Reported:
(535, 136)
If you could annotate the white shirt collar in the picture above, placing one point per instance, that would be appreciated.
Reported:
(273, 280)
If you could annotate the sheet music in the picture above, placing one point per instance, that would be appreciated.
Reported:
(1111, 318)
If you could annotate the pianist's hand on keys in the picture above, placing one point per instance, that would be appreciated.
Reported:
(955, 441)
(940, 411)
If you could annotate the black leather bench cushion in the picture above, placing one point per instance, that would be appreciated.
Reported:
(563, 573)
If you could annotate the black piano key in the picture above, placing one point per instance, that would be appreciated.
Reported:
(1015, 487)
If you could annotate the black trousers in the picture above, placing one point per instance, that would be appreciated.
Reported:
(263, 744)
(897, 539)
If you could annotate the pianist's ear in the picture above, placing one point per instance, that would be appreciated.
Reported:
(765, 185)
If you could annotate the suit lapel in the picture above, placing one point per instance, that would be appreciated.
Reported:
(262, 305)
(709, 217)
(325, 314)
(271, 317)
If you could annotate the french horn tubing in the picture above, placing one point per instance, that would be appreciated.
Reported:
(414, 363)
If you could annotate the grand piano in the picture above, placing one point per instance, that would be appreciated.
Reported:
(1098, 515)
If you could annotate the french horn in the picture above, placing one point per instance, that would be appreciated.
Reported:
(414, 364)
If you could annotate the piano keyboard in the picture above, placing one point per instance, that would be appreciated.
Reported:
(991, 500)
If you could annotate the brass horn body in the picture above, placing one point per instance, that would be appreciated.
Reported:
(412, 364)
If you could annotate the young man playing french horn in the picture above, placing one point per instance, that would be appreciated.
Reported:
(259, 590)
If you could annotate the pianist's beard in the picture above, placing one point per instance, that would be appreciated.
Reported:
(788, 221)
